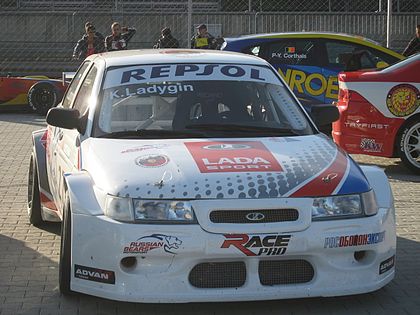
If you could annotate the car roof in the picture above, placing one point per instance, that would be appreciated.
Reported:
(161, 56)
(330, 35)
(301, 34)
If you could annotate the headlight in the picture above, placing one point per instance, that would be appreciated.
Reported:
(345, 206)
(119, 208)
(163, 210)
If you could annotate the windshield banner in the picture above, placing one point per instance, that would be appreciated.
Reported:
(188, 72)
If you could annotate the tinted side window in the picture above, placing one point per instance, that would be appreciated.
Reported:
(338, 52)
(71, 91)
(82, 99)
(381, 56)
(292, 52)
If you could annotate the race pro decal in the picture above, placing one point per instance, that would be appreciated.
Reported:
(255, 245)
(94, 274)
(387, 265)
(148, 243)
(152, 160)
(354, 240)
(233, 156)
(403, 100)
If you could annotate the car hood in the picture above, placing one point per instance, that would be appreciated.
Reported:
(304, 166)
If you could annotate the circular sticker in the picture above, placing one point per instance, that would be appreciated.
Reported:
(152, 160)
(403, 100)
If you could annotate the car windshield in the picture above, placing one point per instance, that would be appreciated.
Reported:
(197, 100)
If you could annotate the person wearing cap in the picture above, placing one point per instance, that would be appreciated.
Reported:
(166, 40)
(89, 44)
(202, 40)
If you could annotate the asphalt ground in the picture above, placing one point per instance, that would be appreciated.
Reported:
(29, 255)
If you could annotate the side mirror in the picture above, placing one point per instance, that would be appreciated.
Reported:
(66, 118)
(324, 114)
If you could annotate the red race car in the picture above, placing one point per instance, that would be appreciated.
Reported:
(39, 92)
(380, 112)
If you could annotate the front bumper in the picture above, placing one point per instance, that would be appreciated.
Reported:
(161, 273)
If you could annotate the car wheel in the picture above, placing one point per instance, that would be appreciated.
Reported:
(65, 253)
(34, 199)
(41, 97)
(409, 146)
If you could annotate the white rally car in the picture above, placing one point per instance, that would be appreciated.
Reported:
(187, 175)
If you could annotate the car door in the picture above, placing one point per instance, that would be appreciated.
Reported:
(297, 61)
(59, 141)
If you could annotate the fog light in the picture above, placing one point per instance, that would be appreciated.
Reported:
(358, 256)
(129, 262)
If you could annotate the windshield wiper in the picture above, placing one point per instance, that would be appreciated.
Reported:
(154, 133)
(244, 128)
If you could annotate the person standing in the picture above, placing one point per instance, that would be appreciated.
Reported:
(202, 40)
(89, 44)
(166, 40)
(119, 38)
(414, 44)
(99, 35)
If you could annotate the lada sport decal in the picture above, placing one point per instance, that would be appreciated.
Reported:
(233, 156)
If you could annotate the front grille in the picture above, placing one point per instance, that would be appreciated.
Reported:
(218, 275)
(254, 216)
(274, 272)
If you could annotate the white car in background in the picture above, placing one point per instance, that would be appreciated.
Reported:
(187, 175)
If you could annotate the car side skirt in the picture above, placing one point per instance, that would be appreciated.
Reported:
(49, 209)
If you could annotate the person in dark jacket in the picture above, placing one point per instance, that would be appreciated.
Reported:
(166, 40)
(89, 44)
(202, 40)
(99, 35)
(414, 44)
(119, 38)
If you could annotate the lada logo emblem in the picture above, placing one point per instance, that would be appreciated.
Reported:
(227, 146)
(329, 177)
(255, 216)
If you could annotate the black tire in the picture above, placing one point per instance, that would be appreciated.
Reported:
(64, 269)
(409, 146)
(34, 198)
(42, 96)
